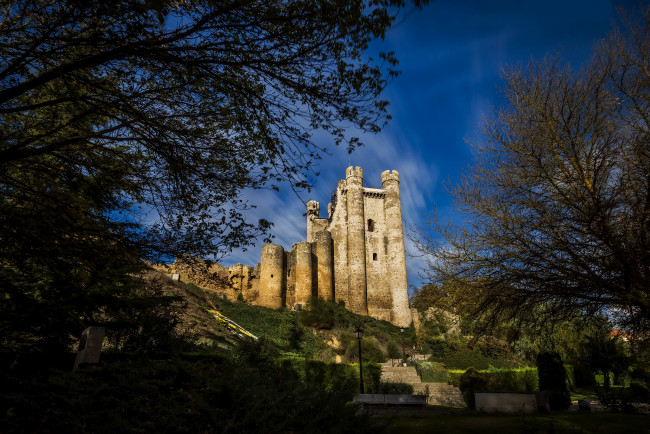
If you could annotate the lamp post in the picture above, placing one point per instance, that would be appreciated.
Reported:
(359, 334)
(401, 329)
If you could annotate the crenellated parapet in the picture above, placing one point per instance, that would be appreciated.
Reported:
(354, 172)
(388, 176)
(313, 209)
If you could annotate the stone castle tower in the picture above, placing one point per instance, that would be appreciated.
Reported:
(356, 254)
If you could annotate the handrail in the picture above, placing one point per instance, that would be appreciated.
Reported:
(231, 324)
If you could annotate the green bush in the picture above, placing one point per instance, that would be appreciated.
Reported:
(502, 380)
(436, 347)
(570, 377)
(370, 350)
(335, 377)
(464, 358)
(470, 382)
(250, 393)
(454, 376)
(395, 389)
(624, 399)
(553, 378)
(600, 379)
(393, 350)
(432, 372)
(319, 313)
(583, 375)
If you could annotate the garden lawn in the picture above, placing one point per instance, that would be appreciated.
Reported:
(557, 423)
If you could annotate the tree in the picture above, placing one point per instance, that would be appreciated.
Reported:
(558, 201)
(552, 378)
(128, 130)
(604, 353)
(181, 105)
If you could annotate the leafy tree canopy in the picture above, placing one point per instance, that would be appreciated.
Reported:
(128, 130)
(175, 107)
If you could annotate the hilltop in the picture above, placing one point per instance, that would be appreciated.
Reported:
(324, 330)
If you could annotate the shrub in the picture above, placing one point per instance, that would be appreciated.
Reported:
(393, 350)
(454, 376)
(570, 377)
(583, 375)
(197, 394)
(370, 351)
(502, 380)
(600, 379)
(471, 381)
(463, 358)
(624, 399)
(395, 388)
(494, 348)
(552, 378)
(438, 348)
(319, 313)
(334, 377)
(432, 372)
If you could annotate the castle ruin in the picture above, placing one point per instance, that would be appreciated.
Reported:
(355, 255)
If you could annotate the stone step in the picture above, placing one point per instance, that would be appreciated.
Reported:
(437, 393)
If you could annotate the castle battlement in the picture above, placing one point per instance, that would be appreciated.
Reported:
(354, 172)
(356, 256)
(387, 176)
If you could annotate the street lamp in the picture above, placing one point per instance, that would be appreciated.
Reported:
(401, 329)
(359, 334)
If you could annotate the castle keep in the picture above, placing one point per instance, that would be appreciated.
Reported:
(355, 255)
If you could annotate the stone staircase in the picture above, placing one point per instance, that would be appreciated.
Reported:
(437, 393)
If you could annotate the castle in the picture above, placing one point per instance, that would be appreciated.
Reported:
(355, 255)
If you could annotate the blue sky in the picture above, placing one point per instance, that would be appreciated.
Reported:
(451, 54)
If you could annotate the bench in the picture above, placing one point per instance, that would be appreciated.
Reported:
(380, 399)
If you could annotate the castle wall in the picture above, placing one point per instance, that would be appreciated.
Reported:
(303, 255)
(378, 292)
(338, 229)
(290, 290)
(324, 249)
(396, 253)
(251, 286)
(272, 279)
(356, 242)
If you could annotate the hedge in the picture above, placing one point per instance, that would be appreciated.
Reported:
(502, 380)
(335, 376)
(394, 389)
(464, 358)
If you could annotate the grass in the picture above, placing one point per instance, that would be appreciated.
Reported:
(584, 393)
(557, 423)
(280, 326)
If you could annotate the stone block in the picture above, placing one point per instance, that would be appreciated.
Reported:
(584, 405)
(90, 346)
(490, 402)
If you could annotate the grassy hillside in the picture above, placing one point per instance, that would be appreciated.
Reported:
(323, 331)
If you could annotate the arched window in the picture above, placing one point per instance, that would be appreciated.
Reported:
(371, 225)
